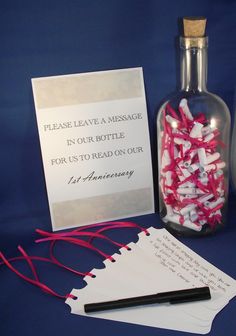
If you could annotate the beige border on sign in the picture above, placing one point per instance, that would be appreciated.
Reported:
(87, 88)
(96, 209)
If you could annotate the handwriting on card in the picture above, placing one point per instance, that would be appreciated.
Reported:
(187, 265)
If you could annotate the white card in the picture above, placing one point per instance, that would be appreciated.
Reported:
(157, 263)
(95, 144)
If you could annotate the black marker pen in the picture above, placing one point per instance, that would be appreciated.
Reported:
(178, 296)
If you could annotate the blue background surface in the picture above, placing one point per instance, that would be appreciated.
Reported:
(47, 38)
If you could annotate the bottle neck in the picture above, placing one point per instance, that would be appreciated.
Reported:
(193, 65)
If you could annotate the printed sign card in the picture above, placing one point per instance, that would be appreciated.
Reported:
(94, 138)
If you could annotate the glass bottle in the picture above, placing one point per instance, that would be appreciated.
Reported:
(193, 128)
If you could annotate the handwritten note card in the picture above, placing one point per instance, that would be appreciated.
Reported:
(157, 263)
(95, 146)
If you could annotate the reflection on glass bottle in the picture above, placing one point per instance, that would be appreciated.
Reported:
(233, 149)
(193, 139)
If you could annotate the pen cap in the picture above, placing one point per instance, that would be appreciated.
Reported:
(190, 295)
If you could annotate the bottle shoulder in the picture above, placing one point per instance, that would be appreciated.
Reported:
(218, 101)
(199, 102)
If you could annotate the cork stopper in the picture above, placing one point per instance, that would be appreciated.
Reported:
(194, 33)
(194, 26)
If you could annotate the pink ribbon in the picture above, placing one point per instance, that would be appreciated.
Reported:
(70, 238)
